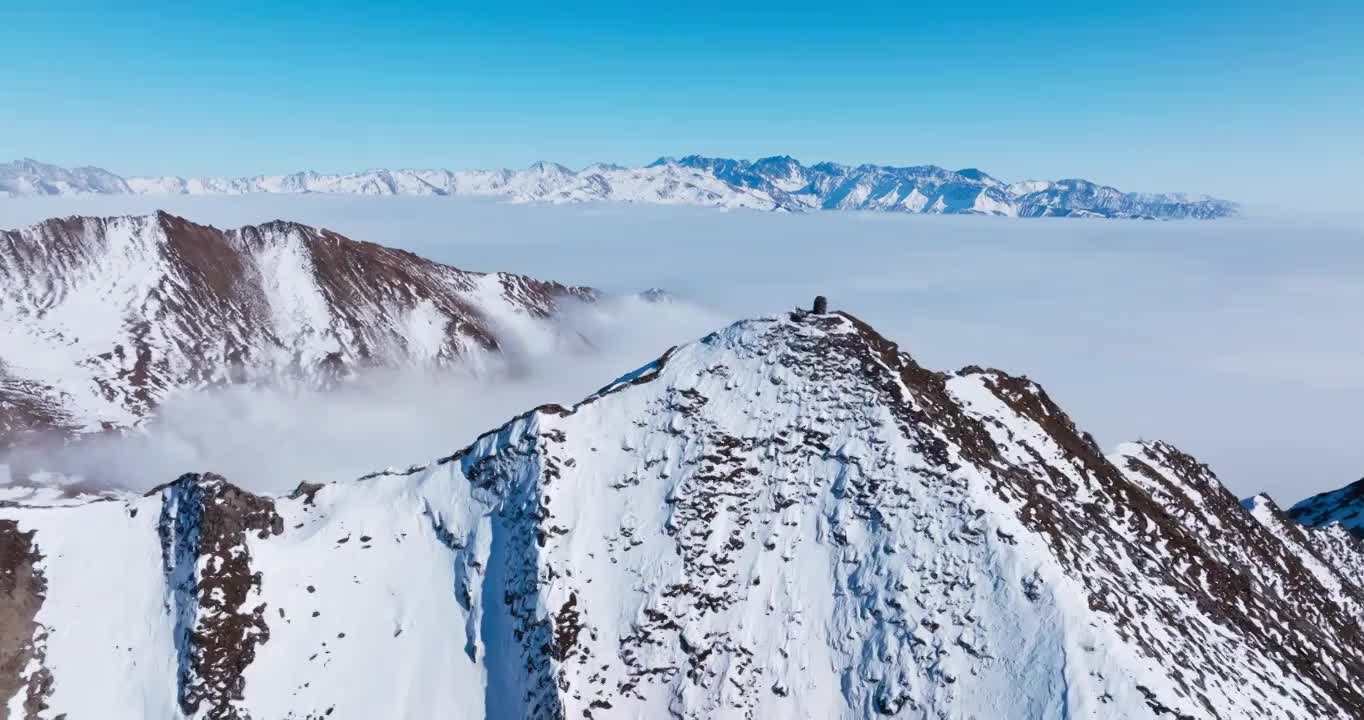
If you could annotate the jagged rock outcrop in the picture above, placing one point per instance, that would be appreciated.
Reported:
(214, 592)
(101, 317)
(787, 518)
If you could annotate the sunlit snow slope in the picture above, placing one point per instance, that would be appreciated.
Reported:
(786, 519)
(101, 317)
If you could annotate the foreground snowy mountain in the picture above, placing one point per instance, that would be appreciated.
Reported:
(775, 183)
(787, 518)
(100, 318)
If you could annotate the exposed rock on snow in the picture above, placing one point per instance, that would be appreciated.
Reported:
(22, 639)
(1189, 491)
(100, 318)
(787, 518)
(775, 183)
(1329, 552)
(213, 589)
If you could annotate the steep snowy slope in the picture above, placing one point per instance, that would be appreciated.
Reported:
(1329, 552)
(101, 317)
(774, 183)
(1191, 493)
(788, 518)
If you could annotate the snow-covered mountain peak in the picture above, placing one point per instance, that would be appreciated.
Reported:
(786, 518)
(545, 167)
(790, 452)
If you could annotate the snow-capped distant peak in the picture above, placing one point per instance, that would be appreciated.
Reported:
(1344, 507)
(772, 183)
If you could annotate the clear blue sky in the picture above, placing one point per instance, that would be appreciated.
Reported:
(1231, 99)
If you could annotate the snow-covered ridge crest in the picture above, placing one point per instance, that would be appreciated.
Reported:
(1191, 491)
(787, 518)
(774, 183)
(101, 318)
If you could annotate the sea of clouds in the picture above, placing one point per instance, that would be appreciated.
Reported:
(1237, 340)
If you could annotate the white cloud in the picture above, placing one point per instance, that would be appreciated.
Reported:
(271, 439)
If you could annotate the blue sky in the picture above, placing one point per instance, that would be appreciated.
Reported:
(1239, 100)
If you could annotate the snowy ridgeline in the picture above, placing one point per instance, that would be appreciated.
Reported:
(787, 518)
(103, 318)
(775, 183)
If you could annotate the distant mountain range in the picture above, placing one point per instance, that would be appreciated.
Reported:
(1339, 508)
(774, 183)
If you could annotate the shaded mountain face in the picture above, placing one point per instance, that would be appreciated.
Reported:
(100, 318)
(1344, 507)
(787, 518)
(774, 183)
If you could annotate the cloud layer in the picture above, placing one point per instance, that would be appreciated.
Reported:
(270, 439)
(1237, 340)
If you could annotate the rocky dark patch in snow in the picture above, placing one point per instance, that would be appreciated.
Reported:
(204, 524)
(28, 409)
(22, 589)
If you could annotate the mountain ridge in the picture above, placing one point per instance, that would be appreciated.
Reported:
(101, 318)
(789, 517)
(1342, 507)
(778, 183)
